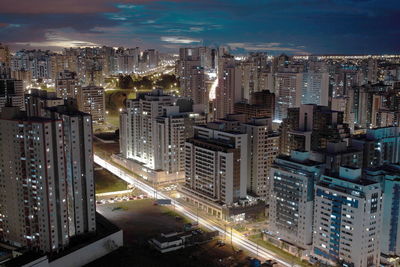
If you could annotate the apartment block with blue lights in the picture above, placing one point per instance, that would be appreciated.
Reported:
(347, 228)
(389, 177)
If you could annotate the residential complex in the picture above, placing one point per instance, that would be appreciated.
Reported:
(91, 100)
(348, 227)
(291, 206)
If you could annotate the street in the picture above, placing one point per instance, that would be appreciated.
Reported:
(236, 238)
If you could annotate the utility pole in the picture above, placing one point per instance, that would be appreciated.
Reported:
(257, 247)
(225, 233)
(231, 237)
(197, 213)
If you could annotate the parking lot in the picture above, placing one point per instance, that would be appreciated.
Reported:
(120, 198)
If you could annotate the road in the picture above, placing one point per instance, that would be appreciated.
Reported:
(239, 240)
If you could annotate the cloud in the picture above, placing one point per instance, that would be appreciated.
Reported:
(246, 25)
(66, 6)
(179, 40)
(265, 47)
(55, 40)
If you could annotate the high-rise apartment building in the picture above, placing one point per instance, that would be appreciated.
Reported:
(172, 130)
(216, 168)
(262, 104)
(228, 91)
(37, 100)
(256, 75)
(192, 69)
(140, 124)
(288, 91)
(263, 147)
(67, 85)
(338, 154)
(381, 146)
(78, 149)
(34, 207)
(389, 177)
(5, 61)
(91, 100)
(347, 229)
(311, 127)
(46, 177)
(11, 92)
(292, 197)
(315, 88)
(153, 131)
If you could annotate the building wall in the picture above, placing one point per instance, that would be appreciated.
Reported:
(349, 224)
(33, 194)
(91, 252)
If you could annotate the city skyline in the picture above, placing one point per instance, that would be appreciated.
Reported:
(199, 133)
(292, 27)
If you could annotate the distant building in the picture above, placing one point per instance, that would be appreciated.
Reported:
(67, 85)
(338, 154)
(228, 91)
(315, 88)
(347, 225)
(311, 127)
(252, 111)
(381, 146)
(37, 100)
(5, 60)
(91, 100)
(288, 90)
(11, 92)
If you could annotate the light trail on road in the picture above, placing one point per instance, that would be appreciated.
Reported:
(236, 238)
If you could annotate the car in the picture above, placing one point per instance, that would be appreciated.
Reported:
(131, 198)
(99, 202)
(220, 243)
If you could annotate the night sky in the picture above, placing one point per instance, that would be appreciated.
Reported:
(275, 26)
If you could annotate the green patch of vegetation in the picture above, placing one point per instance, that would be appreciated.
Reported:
(239, 227)
(107, 182)
(282, 253)
(167, 81)
(131, 205)
(173, 213)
